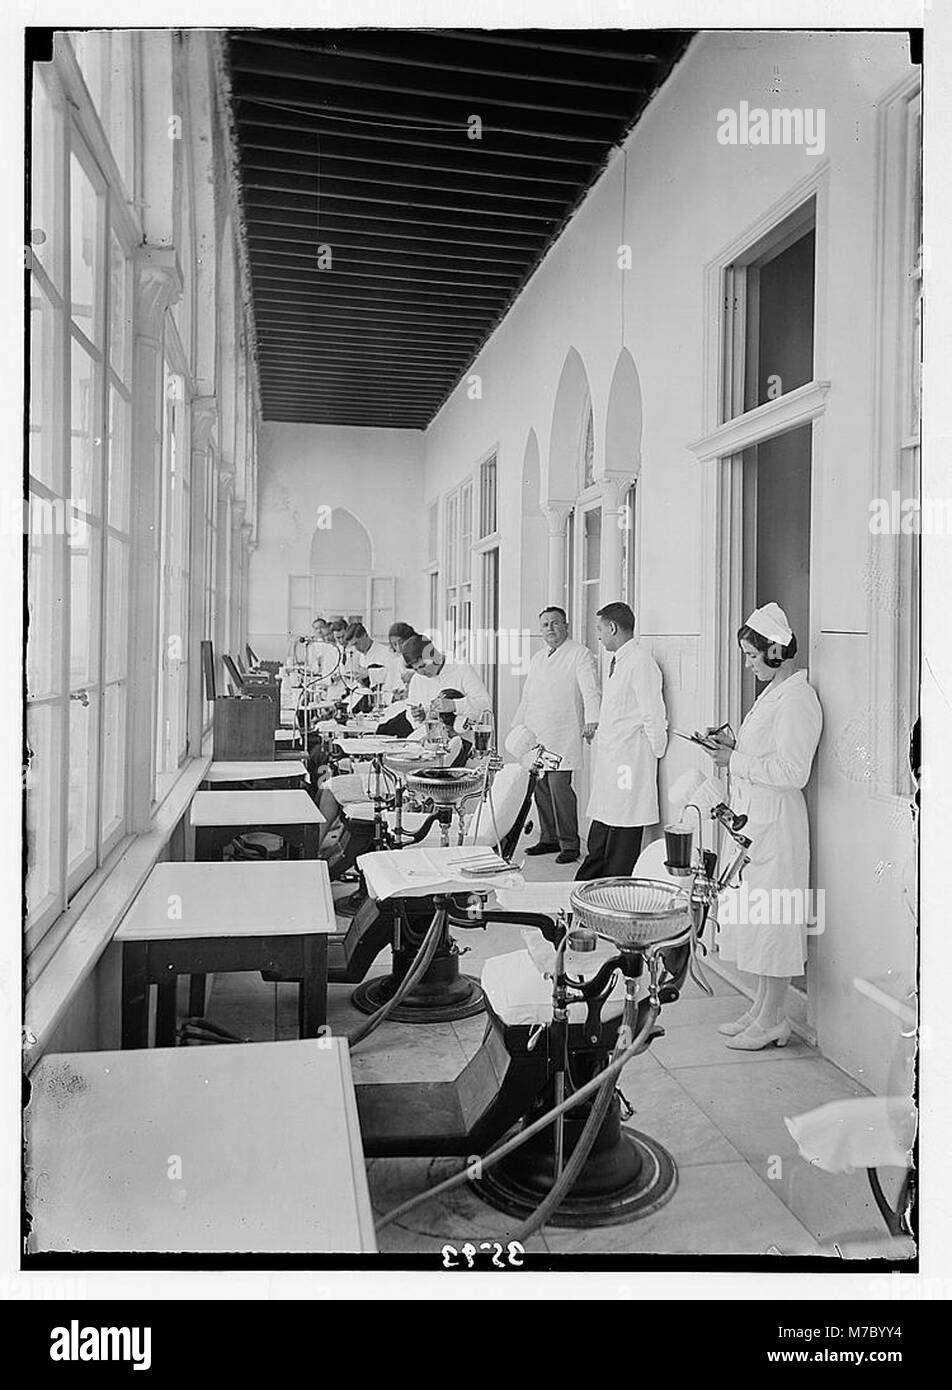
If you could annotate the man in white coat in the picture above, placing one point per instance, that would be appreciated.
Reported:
(433, 675)
(560, 705)
(632, 735)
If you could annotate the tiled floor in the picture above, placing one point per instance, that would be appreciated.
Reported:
(742, 1186)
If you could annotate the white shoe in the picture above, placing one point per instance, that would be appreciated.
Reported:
(757, 1037)
(739, 1025)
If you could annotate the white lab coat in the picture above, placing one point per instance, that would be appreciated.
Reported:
(379, 655)
(454, 675)
(765, 932)
(559, 696)
(632, 735)
(322, 657)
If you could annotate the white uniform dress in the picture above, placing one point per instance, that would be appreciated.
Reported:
(764, 930)
(632, 735)
(559, 696)
(379, 655)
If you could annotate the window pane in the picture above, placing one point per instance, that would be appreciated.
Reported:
(593, 544)
(42, 801)
(84, 545)
(119, 461)
(43, 394)
(82, 798)
(117, 597)
(118, 117)
(113, 760)
(41, 664)
(89, 47)
(588, 451)
(83, 249)
(120, 320)
(45, 238)
(83, 472)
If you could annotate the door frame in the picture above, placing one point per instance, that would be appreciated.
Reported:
(720, 452)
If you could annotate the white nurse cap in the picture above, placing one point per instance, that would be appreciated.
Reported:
(771, 622)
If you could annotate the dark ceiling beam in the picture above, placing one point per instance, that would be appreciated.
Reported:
(347, 103)
(272, 193)
(350, 153)
(412, 52)
(628, 45)
(348, 268)
(378, 299)
(315, 166)
(331, 72)
(272, 115)
(335, 224)
(293, 247)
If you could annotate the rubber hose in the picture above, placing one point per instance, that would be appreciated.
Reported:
(496, 1155)
(421, 963)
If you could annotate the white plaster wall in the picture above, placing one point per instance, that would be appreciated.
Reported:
(687, 198)
(377, 474)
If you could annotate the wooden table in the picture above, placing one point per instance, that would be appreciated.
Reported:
(218, 817)
(193, 919)
(260, 776)
(252, 1149)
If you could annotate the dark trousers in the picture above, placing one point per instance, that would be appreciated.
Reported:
(558, 811)
(612, 851)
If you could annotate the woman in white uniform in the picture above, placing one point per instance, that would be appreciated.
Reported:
(769, 767)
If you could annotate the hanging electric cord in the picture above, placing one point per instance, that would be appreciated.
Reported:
(421, 963)
(604, 1079)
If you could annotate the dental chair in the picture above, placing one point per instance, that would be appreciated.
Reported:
(556, 1024)
(444, 993)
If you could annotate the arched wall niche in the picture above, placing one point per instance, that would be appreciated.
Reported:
(624, 420)
(340, 544)
(572, 399)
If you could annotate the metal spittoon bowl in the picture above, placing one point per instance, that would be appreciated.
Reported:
(445, 786)
(634, 913)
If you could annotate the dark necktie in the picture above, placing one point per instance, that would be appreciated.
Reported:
(611, 669)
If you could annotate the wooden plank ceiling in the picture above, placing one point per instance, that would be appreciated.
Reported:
(357, 142)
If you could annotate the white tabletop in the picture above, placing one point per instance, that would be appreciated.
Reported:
(253, 772)
(285, 735)
(253, 1148)
(254, 808)
(373, 744)
(416, 873)
(289, 897)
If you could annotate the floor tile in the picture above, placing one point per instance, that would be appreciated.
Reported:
(720, 1208)
(700, 1045)
(665, 1112)
(457, 1216)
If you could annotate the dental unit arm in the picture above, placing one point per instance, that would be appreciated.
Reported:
(706, 884)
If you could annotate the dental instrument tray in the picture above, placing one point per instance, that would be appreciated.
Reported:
(632, 912)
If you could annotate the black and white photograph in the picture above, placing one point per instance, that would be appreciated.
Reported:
(477, 540)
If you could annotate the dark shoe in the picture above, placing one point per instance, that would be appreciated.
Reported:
(542, 848)
(568, 856)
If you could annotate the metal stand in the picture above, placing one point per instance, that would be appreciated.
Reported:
(443, 994)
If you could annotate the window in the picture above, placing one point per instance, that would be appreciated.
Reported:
(458, 610)
(171, 726)
(590, 571)
(587, 448)
(107, 60)
(78, 515)
(629, 559)
(211, 561)
(487, 498)
(489, 612)
(769, 303)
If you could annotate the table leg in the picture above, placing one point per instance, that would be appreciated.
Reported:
(310, 841)
(165, 1013)
(134, 1030)
(312, 990)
